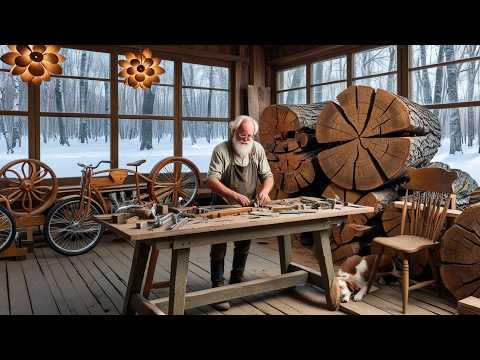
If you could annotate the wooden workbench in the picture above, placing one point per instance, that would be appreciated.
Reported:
(224, 230)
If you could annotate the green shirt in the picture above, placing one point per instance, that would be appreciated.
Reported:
(221, 159)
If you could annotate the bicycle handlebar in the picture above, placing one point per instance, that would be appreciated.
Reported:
(90, 166)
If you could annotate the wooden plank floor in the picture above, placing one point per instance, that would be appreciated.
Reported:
(95, 283)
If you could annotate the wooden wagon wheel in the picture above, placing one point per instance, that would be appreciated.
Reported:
(23, 189)
(175, 181)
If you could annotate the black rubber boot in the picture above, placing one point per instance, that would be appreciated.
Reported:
(221, 306)
(236, 276)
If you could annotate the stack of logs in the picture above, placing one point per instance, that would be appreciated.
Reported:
(357, 150)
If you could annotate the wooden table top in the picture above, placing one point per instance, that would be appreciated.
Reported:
(130, 232)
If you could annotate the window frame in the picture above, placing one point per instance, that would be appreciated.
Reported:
(307, 81)
(401, 52)
(34, 114)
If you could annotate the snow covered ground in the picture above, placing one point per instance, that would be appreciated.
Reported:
(469, 161)
(63, 159)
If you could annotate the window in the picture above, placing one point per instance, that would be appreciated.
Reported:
(292, 85)
(329, 78)
(13, 115)
(376, 68)
(205, 111)
(445, 78)
(146, 118)
(75, 111)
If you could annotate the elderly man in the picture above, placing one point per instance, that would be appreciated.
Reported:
(235, 168)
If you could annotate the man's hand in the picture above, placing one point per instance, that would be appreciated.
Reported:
(241, 199)
(263, 197)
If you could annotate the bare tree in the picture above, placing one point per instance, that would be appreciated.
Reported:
(437, 93)
(427, 91)
(146, 132)
(452, 93)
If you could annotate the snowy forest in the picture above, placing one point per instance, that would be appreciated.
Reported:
(442, 84)
(64, 140)
(67, 139)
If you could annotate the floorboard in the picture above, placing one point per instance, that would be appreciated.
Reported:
(96, 282)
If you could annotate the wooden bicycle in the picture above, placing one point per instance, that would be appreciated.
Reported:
(69, 227)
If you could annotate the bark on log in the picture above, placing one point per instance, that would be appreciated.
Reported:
(286, 128)
(460, 255)
(373, 137)
(463, 186)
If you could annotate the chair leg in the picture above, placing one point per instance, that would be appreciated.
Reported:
(373, 274)
(405, 283)
(435, 273)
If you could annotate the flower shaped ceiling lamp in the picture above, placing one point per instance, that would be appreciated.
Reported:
(140, 70)
(34, 63)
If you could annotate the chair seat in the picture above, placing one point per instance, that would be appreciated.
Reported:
(137, 163)
(405, 243)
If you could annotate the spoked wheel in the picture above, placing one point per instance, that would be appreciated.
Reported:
(68, 231)
(7, 228)
(22, 186)
(175, 182)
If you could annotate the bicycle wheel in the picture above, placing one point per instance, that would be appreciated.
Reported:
(70, 234)
(175, 182)
(7, 228)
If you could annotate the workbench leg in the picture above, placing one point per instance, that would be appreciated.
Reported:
(285, 250)
(147, 287)
(139, 263)
(178, 281)
(323, 253)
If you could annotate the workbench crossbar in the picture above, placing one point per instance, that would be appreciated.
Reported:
(228, 292)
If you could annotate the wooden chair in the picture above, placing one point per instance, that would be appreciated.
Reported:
(428, 196)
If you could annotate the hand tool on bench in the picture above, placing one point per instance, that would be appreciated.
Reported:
(227, 212)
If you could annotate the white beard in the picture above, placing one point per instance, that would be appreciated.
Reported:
(242, 150)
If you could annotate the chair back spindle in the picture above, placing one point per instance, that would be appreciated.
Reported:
(428, 197)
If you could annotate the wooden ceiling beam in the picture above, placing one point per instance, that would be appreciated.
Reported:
(170, 51)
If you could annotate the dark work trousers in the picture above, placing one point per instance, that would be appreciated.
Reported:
(242, 179)
(217, 261)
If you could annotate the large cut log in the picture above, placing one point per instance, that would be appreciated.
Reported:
(285, 128)
(460, 255)
(344, 251)
(463, 186)
(292, 171)
(475, 196)
(373, 137)
(356, 225)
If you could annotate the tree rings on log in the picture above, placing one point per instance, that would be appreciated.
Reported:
(373, 137)
(460, 255)
(286, 128)
(292, 171)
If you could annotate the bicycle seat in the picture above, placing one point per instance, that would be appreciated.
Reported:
(137, 163)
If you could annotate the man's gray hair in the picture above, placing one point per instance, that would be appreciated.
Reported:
(235, 124)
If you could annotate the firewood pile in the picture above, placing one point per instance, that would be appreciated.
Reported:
(356, 149)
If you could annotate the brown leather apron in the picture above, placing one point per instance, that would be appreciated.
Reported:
(242, 179)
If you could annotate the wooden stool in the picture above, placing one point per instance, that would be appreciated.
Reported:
(13, 251)
(29, 223)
